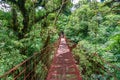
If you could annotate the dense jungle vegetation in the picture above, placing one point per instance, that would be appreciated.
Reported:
(27, 26)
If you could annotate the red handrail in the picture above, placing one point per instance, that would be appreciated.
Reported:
(26, 70)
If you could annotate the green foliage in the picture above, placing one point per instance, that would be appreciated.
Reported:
(89, 63)
(115, 44)
(93, 26)
(9, 50)
(5, 15)
(26, 28)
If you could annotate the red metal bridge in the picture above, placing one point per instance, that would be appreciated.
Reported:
(58, 66)
(63, 66)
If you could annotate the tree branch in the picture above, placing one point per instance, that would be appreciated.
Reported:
(47, 13)
(12, 1)
(40, 3)
(59, 11)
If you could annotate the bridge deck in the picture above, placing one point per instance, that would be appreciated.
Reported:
(63, 66)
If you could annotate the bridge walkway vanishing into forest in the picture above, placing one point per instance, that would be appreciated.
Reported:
(62, 66)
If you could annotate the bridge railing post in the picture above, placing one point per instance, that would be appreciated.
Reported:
(34, 67)
(25, 70)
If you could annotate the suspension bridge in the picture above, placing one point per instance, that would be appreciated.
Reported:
(62, 65)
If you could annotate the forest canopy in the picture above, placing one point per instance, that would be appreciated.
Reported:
(27, 26)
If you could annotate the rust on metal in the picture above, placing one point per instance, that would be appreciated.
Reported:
(25, 68)
(63, 66)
